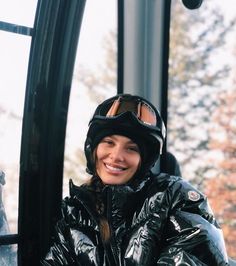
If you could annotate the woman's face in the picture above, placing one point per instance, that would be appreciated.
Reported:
(117, 159)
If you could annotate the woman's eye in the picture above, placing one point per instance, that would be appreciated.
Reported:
(133, 148)
(108, 141)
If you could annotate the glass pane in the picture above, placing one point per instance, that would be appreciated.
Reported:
(8, 255)
(202, 109)
(14, 54)
(94, 80)
(18, 12)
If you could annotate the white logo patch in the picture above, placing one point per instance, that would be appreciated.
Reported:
(193, 195)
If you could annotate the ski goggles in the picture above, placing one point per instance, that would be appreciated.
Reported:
(142, 110)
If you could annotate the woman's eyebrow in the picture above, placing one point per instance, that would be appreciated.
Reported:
(132, 142)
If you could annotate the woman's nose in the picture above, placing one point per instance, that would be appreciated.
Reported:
(117, 154)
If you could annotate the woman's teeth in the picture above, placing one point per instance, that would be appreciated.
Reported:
(114, 168)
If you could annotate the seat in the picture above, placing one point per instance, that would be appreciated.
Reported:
(169, 164)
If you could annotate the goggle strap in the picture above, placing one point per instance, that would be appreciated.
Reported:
(161, 144)
(113, 110)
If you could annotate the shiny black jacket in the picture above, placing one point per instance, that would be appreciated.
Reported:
(159, 220)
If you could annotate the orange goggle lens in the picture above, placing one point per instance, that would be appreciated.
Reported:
(142, 110)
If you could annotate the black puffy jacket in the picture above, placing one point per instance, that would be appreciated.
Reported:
(159, 220)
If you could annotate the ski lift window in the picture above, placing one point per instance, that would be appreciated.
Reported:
(94, 80)
(202, 110)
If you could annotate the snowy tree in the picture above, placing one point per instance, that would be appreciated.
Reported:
(195, 79)
(221, 189)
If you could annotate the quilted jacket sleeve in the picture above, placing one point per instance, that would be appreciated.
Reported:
(192, 235)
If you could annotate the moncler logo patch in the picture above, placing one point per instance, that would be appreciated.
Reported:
(193, 195)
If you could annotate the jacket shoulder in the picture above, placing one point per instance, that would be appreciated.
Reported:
(183, 195)
(192, 226)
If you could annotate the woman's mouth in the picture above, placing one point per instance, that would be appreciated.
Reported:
(115, 168)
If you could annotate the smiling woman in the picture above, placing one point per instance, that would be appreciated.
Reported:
(125, 202)
(117, 159)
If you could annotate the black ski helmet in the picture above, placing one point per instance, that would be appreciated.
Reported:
(131, 116)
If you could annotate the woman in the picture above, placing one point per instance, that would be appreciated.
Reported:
(126, 215)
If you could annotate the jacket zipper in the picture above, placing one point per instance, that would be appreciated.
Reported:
(112, 241)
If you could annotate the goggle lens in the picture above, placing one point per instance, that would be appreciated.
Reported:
(142, 110)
